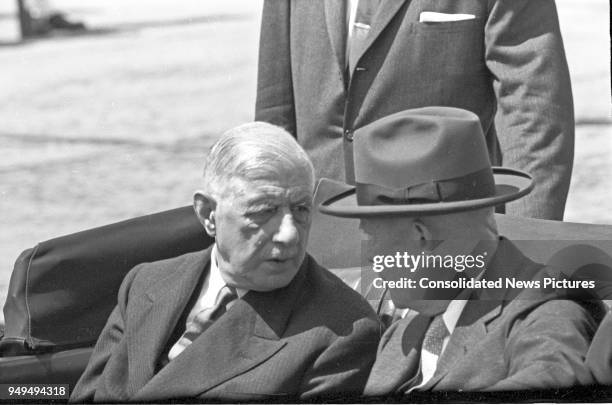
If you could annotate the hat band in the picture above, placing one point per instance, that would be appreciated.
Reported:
(479, 184)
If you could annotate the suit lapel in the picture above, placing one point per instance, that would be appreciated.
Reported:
(470, 328)
(162, 306)
(481, 309)
(386, 11)
(397, 364)
(244, 337)
(335, 18)
(228, 348)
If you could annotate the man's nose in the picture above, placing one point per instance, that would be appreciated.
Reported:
(287, 231)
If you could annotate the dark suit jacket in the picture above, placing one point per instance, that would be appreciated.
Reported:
(526, 340)
(315, 337)
(507, 66)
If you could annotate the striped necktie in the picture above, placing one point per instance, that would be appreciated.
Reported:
(434, 338)
(203, 320)
(433, 343)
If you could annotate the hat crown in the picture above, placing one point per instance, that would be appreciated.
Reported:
(420, 146)
(425, 161)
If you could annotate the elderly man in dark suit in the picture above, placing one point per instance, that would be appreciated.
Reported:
(483, 320)
(329, 67)
(251, 317)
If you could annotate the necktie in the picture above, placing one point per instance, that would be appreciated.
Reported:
(434, 338)
(433, 343)
(203, 320)
(360, 29)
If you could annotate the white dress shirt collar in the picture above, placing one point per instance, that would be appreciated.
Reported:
(211, 287)
(215, 272)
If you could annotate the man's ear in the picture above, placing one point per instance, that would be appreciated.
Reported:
(423, 234)
(205, 205)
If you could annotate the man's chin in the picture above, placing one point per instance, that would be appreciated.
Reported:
(272, 284)
(275, 275)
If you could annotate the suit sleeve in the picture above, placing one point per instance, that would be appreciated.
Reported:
(342, 369)
(275, 102)
(109, 338)
(547, 348)
(535, 116)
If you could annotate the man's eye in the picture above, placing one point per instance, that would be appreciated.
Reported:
(263, 213)
(301, 212)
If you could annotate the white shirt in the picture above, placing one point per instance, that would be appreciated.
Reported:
(213, 283)
(351, 13)
(210, 289)
(351, 25)
(451, 315)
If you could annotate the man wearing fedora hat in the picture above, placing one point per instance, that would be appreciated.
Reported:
(425, 188)
(329, 67)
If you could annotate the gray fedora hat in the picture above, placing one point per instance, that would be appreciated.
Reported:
(425, 161)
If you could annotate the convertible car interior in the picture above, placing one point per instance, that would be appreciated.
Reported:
(62, 290)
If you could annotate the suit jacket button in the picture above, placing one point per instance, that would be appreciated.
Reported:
(348, 134)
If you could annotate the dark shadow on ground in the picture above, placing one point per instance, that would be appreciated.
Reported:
(127, 27)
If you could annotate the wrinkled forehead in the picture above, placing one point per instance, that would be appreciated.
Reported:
(274, 187)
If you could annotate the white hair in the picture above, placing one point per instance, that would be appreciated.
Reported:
(252, 151)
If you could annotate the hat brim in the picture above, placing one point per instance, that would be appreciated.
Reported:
(510, 184)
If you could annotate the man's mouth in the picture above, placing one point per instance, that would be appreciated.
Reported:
(280, 260)
(281, 255)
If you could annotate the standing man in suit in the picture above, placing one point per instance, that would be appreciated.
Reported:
(329, 67)
(425, 187)
(251, 317)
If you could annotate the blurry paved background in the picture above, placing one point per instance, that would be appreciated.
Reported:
(114, 124)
